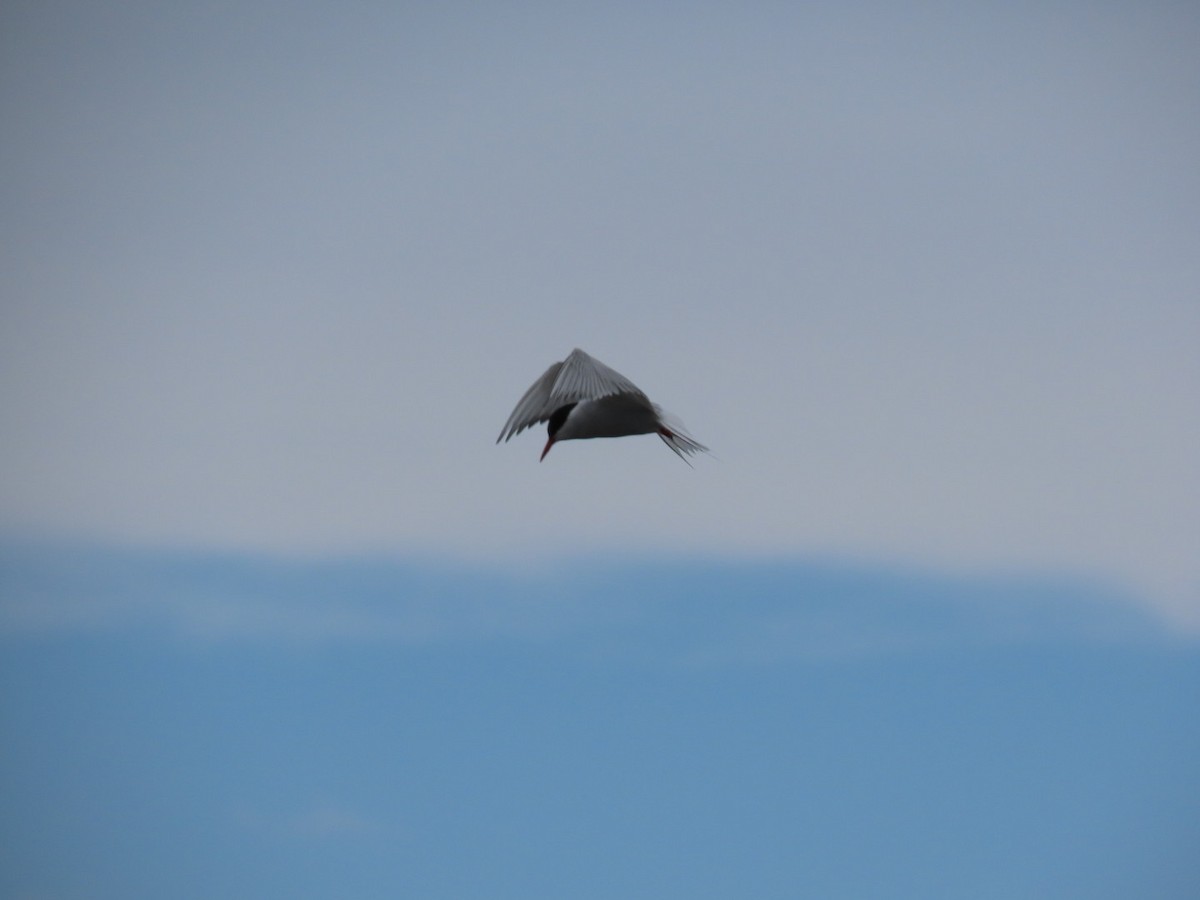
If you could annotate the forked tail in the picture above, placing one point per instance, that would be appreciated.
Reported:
(682, 443)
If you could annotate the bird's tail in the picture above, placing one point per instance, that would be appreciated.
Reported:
(675, 436)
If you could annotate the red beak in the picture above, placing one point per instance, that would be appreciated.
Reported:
(549, 444)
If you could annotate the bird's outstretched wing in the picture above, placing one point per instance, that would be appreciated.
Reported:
(578, 377)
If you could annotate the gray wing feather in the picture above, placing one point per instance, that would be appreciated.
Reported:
(533, 407)
(578, 377)
(583, 377)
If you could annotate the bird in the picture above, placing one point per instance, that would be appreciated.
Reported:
(580, 397)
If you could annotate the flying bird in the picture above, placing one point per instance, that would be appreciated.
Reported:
(581, 397)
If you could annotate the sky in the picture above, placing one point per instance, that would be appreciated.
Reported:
(278, 615)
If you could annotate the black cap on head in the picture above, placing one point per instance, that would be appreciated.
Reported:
(558, 417)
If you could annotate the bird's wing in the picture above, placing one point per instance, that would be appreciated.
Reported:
(533, 407)
(583, 377)
(578, 377)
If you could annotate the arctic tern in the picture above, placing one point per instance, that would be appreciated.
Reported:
(581, 397)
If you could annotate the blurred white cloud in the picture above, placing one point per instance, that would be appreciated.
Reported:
(679, 610)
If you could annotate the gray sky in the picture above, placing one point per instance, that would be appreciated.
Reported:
(927, 281)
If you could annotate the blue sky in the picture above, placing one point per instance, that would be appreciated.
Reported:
(192, 724)
(278, 616)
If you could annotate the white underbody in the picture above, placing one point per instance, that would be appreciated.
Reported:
(617, 415)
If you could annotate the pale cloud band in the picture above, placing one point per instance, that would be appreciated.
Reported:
(688, 611)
